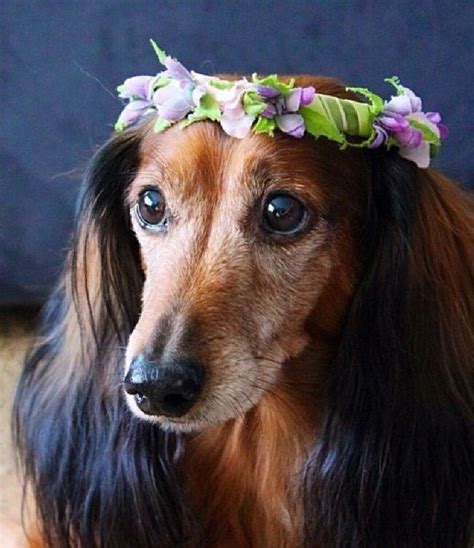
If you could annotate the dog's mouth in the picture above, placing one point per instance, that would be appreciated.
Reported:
(211, 408)
(192, 421)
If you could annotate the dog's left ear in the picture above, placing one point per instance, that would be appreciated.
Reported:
(394, 465)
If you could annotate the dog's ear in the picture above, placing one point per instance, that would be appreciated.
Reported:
(86, 458)
(394, 464)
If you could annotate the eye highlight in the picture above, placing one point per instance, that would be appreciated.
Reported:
(151, 209)
(283, 214)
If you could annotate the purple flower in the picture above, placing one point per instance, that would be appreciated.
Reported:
(132, 113)
(267, 92)
(392, 121)
(307, 95)
(285, 109)
(380, 138)
(234, 120)
(174, 101)
(238, 126)
(176, 71)
(139, 91)
(137, 87)
(292, 124)
(415, 101)
(419, 154)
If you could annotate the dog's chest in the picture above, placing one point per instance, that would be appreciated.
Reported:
(244, 482)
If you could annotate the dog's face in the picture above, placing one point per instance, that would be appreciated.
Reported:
(248, 249)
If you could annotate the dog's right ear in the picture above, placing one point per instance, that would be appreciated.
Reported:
(100, 477)
(394, 463)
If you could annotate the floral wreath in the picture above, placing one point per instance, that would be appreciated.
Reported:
(264, 105)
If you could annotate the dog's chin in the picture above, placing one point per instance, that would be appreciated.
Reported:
(189, 423)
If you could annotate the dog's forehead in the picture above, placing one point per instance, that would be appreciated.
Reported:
(202, 158)
(201, 147)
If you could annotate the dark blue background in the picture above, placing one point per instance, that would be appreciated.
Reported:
(61, 61)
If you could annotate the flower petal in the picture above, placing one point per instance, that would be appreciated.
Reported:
(174, 110)
(237, 127)
(392, 121)
(174, 100)
(380, 138)
(423, 118)
(443, 131)
(292, 124)
(433, 117)
(137, 86)
(420, 154)
(399, 105)
(269, 111)
(293, 100)
(410, 137)
(198, 93)
(132, 112)
(176, 70)
(307, 96)
(267, 92)
(415, 101)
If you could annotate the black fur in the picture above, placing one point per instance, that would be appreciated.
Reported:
(101, 477)
(392, 469)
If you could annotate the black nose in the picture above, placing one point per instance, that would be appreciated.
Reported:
(168, 389)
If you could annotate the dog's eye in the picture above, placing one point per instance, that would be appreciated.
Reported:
(151, 208)
(283, 214)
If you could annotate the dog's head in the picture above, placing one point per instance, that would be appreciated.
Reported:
(209, 274)
(249, 250)
(229, 258)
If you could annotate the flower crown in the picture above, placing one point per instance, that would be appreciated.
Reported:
(264, 105)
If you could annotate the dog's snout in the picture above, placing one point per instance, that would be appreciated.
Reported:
(164, 389)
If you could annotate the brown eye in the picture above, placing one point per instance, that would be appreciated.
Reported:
(151, 208)
(284, 214)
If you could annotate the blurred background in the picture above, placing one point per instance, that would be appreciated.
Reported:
(60, 62)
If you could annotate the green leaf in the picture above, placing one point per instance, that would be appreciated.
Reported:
(434, 150)
(253, 103)
(395, 81)
(208, 109)
(161, 82)
(265, 125)
(187, 121)
(428, 134)
(120, 88)
(221, 84)
(376, 102)
(159, 52)
(119, 126)
(161, 124)
(320, 126)
(272, 81)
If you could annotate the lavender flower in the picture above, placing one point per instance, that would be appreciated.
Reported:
(175, 100)
(402, 121)
(284, 109)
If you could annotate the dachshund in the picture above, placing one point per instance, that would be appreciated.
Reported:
(265, 342)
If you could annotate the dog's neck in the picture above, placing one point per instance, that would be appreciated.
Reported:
(244, 478)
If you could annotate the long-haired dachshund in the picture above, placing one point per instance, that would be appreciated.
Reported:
(265, 342)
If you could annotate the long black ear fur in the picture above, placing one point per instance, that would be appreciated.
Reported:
(394, 466)
(100, 477)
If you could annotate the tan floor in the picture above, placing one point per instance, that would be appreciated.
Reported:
(16, 329)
